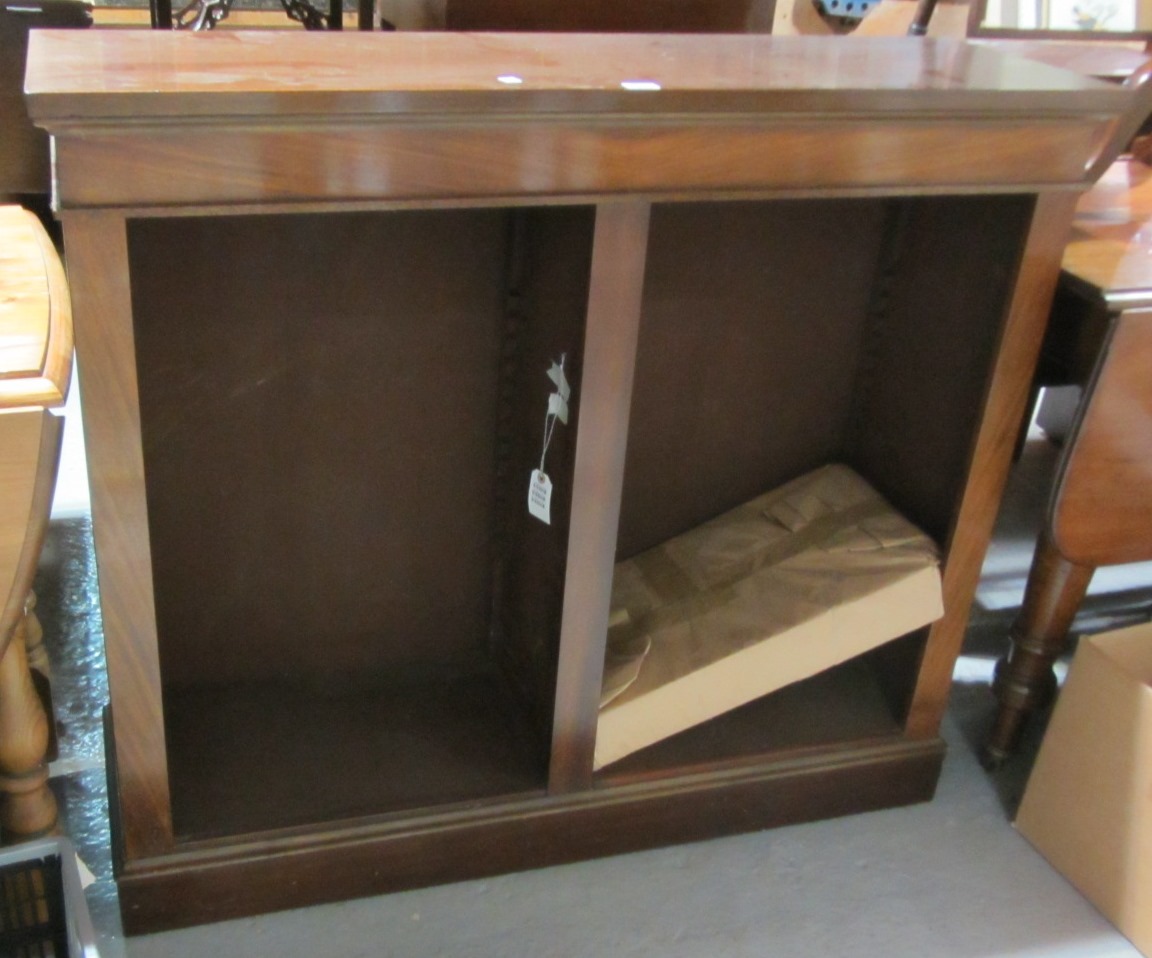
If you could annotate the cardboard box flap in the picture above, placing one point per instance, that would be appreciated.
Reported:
(1088, 804)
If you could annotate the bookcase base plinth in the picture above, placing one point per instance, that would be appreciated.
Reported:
(207, 882)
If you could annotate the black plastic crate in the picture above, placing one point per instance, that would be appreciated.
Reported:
(43, 913)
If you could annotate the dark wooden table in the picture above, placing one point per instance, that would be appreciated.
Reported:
(1100, 511)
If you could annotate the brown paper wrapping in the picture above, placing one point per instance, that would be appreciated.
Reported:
(789, 584)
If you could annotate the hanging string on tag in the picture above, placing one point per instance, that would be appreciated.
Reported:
(540, 488)
(549, 426)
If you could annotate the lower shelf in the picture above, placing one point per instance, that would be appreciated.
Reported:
(284, 799)
(841, 705)
(255, 757)
(258, 757)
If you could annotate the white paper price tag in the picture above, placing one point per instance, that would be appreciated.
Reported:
(540, 496)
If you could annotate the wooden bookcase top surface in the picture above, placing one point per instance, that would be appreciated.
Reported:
(150, 119)
(130, 72)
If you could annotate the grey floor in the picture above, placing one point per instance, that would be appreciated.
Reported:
(946, 878)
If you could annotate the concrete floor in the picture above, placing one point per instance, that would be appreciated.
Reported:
(946, 878)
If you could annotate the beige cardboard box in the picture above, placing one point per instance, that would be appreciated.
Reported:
(1088, 804)
(780, 588)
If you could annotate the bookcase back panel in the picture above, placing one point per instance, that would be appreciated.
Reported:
(318, 502)
(753, 316)
(822, 712)
(935, 328)
(860, 330)
(260, 756)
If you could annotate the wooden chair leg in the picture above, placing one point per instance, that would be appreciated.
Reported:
(27, 805)
(1024, 680)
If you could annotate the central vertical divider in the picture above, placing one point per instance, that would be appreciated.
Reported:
(616, 284)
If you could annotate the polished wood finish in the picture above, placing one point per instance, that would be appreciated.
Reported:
(1024, 680)
(27, 475)
(462, 135)
(34, 639)
(274, 74)
(1100, 510)
(620, 245)
(97, 253)
(35, 367)
(1104, 494)
(214, 882)
(35, 315)
(1107, 61)
(1109, 249)
(1008, 398)
(276, 309)
(28, 807)
(29, 452)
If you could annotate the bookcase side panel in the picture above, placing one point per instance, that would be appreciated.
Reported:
(1002, 406)
(935, 322)
(97, 253)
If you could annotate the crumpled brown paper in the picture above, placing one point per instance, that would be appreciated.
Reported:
(793, 582)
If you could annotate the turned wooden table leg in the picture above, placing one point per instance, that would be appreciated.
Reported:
(41, 667)
(1024, 679)
(34, 639)
(27, 805)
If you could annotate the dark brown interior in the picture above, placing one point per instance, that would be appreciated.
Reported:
(864, 335)
(340, 413)
(841, 704)
(866, 338)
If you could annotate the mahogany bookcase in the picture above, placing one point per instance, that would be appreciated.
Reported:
(317, 283)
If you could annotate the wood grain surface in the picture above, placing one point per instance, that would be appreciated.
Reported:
(956, 170)
(98, 272)
(280, 74)
(29, 450)
(620, 245)
(35, 314)
(1100, 507)
(1110, 248)
(785, 114)
(1101, 510)
(1004, 405)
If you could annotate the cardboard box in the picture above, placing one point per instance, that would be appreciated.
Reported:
(789, 584)
(1088, 804)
